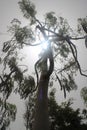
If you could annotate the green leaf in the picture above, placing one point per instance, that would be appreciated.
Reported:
(51, 20)
(28, 9)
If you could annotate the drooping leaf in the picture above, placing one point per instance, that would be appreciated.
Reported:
(51, 20)
(28, 9)
(26, 87)
(7, 114)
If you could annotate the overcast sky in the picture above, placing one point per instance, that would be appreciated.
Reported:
(69, 9)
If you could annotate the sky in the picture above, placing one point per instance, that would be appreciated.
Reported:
(69, 9)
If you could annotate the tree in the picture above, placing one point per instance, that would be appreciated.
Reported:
(57, 35)
(62, 117)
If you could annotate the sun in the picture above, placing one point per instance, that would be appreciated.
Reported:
(32, 53)
(44, 45)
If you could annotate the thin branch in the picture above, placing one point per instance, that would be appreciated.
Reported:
(62, 37)
(53, 32)
(59, 81)
(56, 55)
(70, 44)
(38, 22)
(32, 44)
(8, 76)
(66, 67)
(74, 49)
(1, 78)
(77, 38)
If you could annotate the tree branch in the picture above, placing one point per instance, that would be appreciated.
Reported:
(36, 44)
(70, 44)
(66, 67)
(77, 38)
(62, 37)
(59, 81)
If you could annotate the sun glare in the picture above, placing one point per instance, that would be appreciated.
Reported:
(44, 45)
(33, 52)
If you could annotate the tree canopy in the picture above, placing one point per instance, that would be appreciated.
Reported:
(58, 61)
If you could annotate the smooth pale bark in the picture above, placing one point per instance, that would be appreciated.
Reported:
(41, 121)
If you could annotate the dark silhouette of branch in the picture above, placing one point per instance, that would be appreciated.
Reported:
(67, 38)
(63, 37)
(59, 81)
(36, 44)
(65, 68)
(70, 44)
(78, 38)
(1, 78)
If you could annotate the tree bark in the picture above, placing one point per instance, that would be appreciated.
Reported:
(41, 121)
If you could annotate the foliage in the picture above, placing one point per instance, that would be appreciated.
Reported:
(84, 94)
(61, 53)
(28, 10)
(29, 112)
(7, 114)
(61, 117)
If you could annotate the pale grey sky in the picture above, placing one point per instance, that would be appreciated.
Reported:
(69, 9)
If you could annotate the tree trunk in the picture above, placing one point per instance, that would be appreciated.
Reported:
(41, 121)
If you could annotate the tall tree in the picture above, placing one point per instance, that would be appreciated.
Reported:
(56, 34)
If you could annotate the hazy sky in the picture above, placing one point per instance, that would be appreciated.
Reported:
(69, 9)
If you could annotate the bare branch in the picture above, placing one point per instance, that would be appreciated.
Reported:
(62, 37)
(78, 38)
(59, 81)
(1, 78)
(36, 44)
(70, 44)
(38, 22)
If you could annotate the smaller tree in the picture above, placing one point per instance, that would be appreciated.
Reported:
(61, 117)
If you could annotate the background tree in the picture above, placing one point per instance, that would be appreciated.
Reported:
(62, 117)
(57, 35)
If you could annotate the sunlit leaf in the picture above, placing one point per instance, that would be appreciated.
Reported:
(28, 9)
